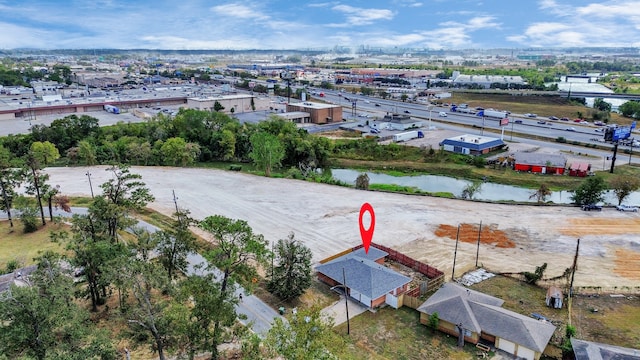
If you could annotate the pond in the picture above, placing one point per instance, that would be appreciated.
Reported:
(488, 191)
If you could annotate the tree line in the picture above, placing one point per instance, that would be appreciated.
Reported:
(191, 136)
(138, 279)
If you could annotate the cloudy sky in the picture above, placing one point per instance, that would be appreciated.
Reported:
(285, 24)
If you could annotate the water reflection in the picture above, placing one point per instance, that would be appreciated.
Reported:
(488, 191)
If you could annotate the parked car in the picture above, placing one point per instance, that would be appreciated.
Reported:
(530, 115)
(577, 120)
(553, 118)
(589, 207)
(627, 208)
(375, 131)
(564, 119)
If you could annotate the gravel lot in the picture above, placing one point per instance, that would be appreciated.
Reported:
(326, 219)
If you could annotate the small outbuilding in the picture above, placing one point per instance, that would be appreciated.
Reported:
(471, 144)
(554, 297)
(579, 169)
(539, 163)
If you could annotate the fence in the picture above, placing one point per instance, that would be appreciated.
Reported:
(436, 277)
(429, 271)
(412, 298)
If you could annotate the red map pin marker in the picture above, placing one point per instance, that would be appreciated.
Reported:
(367, 235)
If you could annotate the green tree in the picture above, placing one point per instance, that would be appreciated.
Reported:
(630, 109)
(42, 321)
(123, 193)
(541, 194)
(362, 182)
(207, 306)
(227, 144)
(434, 322)
(623, 186)
(239, 250)
(471, 190)
(590, 191)
(177, 152)
(28, 214)
(87, 152)
(404, 97)
(266, 151)
(291, 275)
(600, 104)
(174, 244)
(10, 179)
(305, 336)
(217, 106)
(151, 313)
(40, 155)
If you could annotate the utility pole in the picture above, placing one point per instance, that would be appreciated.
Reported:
(478, 248)
(455, 252)
(346, 300)
(573, 273)
(90, 186)
(175, 200)
(613, 158)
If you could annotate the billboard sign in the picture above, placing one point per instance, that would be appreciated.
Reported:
(504, 122)
(619, 133)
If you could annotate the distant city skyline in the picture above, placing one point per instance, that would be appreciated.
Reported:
(270, 24)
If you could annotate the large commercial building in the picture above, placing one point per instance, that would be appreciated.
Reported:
(232, 103)
(319, 113)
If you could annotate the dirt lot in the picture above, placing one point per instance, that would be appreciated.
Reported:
(326, 218)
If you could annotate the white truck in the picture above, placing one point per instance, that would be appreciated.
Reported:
(406, 136)
(493, 114)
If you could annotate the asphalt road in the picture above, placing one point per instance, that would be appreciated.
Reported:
(258, 314)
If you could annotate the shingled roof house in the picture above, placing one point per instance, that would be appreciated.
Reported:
(367, 280)
(482, 317)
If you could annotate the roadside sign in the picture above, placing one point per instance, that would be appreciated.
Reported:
(504, 122)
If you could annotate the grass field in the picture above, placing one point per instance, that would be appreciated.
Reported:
(22, 247)
(396, 334)
(543, 106)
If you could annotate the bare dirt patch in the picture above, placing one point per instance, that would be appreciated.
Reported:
(627, 264)
(603, 226)
(469, 233)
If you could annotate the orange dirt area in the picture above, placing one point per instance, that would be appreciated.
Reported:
(490, 235)
(600, 226)
(626, 264)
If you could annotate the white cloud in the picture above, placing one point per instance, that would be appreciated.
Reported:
(361, 16)
(239, 11)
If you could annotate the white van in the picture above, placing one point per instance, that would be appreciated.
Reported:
(443, 114)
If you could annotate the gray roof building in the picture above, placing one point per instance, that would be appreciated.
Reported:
(481, 313)
(588, 350)
(365, 276)
(542, 159)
